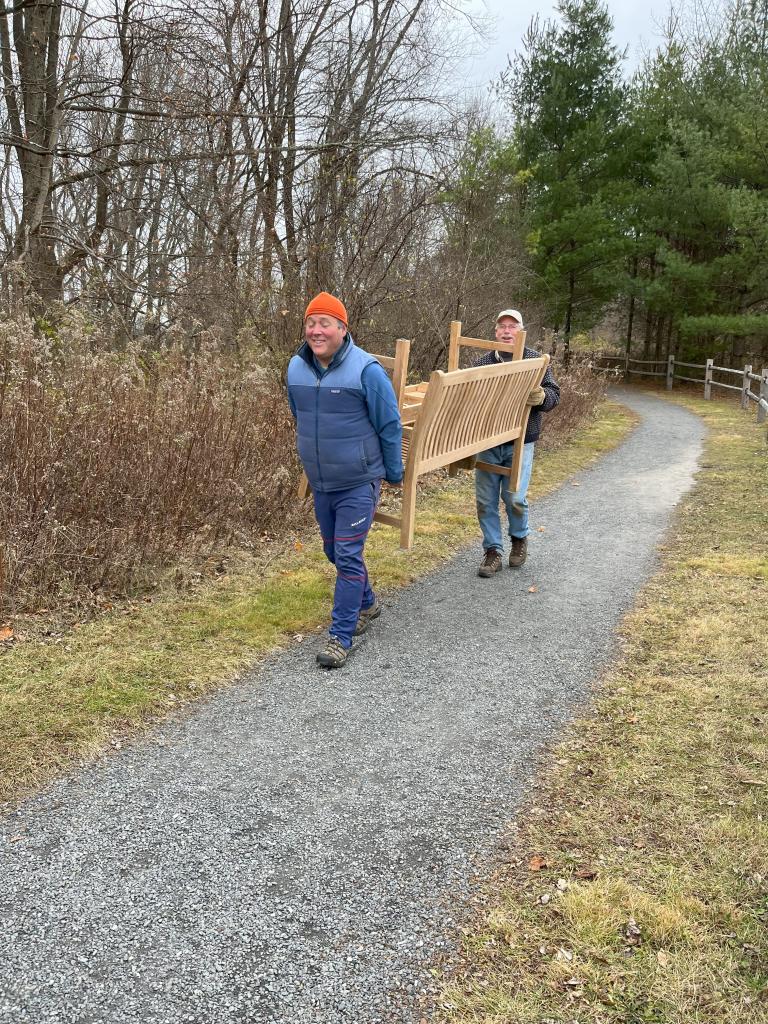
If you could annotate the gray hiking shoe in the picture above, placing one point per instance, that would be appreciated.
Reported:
(490, 564)
(519, 552)
(367, 615)
(333, 655)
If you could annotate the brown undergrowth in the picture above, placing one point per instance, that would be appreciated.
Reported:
(116, 464)
(635, 887)
(581, 391)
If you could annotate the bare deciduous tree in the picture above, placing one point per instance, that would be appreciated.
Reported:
(211, 163)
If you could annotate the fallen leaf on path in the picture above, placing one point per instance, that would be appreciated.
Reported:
(6, 633)
(663, 958)
(537, 863)
(586, 874)
(533, 590)
(540, 529)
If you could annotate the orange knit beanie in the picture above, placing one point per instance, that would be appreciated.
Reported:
(328, 304)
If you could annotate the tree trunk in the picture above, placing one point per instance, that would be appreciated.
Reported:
(34, 128)
(568, 320)
(659, 336)
(647, 334)
(631, 314)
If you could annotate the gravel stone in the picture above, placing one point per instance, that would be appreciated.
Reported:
(301, 846)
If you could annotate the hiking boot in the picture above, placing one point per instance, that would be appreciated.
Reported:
(491, 563)
(367, 615)
(333, 655)
(519, 552)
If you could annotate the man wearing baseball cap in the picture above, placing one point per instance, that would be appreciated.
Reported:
(349, 437)
(489, 487)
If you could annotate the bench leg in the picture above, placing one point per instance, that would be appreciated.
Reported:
(516, 468)
(408, 510)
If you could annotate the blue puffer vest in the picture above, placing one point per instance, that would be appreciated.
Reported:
(338, 446)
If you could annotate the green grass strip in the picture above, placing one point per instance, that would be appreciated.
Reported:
(636, 888)
(61, 703)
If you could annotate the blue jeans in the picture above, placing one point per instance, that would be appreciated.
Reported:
(344, 518)
(490, 486)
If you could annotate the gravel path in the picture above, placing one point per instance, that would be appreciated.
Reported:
(294, 851)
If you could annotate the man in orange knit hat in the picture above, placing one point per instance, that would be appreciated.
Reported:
(349, 437)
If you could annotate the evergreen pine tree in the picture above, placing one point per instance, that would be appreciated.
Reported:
(567, 97)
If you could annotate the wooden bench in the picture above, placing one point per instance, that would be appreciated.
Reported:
(414, 393)
(398, 364)
(462, 413)
(458, 341)
(457, 414)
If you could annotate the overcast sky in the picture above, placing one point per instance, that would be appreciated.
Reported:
(636, 26)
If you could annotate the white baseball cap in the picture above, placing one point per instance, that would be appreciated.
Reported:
(514, 313)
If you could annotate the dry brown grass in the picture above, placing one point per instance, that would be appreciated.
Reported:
(635, 888)
(116, 463)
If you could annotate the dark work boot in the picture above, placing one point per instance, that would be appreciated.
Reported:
(333, 655)
(491, 564)
(366, 616)
(519, 552)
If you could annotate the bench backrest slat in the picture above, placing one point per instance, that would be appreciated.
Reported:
(467, 411)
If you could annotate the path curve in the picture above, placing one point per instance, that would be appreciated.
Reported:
(292, 852)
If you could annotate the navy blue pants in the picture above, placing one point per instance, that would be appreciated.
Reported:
(344, 518)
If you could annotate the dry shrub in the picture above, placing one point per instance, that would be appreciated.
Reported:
(581, 391)
(114, 462)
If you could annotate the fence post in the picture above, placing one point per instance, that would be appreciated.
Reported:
(670, 372)
(745, 383)
(761, 413)
(708, 379)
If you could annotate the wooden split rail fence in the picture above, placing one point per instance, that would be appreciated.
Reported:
(670, 368)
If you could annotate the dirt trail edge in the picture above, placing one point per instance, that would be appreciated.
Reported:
(292, 852)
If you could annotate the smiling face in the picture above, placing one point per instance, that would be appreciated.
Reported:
(507, 329)
(324, 335)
